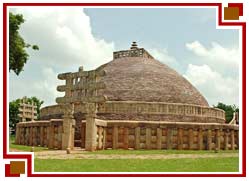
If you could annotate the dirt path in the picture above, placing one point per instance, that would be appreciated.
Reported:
(60, 154)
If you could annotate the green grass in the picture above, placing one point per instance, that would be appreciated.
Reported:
(135, 165)
(139, 165)
(24, 148)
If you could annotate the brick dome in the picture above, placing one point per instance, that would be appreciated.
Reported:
(146, 79)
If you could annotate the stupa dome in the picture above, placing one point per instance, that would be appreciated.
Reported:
(140, 77)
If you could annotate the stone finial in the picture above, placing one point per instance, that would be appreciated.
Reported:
(134, 45)
(81, 69)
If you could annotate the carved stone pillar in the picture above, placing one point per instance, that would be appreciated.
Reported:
(169, 138)
(126, 141)
(190, 138)
(180, 139)
(83, 135)
(200, 139)
(115, 137)
(41, 136)
(104, 138)
(91, 128)
(209, 139)
(68, 127)
(31, 135)
(137, 138)
(148, 138)
(34, 136)
(60, 127)
(17, 135)
(217, 134)
(51, 136)
(159, 138)
(225, 139)
(232, 140)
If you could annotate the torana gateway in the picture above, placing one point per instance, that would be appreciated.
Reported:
(131, 102)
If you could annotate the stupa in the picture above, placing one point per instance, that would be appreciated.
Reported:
(132, 102)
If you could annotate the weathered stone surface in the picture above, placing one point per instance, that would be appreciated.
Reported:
(143, 79)
(143, 111)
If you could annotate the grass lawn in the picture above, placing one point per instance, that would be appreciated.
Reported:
(139, 165)
(222, 164)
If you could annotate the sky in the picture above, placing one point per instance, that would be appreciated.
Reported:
(185, 39)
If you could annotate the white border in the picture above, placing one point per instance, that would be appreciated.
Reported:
(240, 96)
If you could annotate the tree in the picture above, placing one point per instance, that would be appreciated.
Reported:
(17, 46)
(13, 114)
(229, 110)
(14, 110)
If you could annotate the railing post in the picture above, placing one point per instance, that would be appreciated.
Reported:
(137, 138)
(148, 138)
(200, 139)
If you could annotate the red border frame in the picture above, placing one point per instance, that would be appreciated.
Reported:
(29, 157)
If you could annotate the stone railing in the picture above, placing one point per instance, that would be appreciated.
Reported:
(131, 134)
(100, 134)
(51, 110)
(160, 108)
(161, 135)
(149, 108)
(40, 133)
(138, 52)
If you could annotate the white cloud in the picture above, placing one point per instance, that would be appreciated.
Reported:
(163, 56)
(215, 87)
(217, 72)
(66, 42)
(64, 37)
(217, 57)
(42, 86)
(197, 48)
(48, 84)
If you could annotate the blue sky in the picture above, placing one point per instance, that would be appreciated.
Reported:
(161, 28)
(185, 39)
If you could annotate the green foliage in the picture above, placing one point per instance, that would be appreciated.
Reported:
(14, 106)
(229, 110)
(35, 47)
(17, 46)
(13, 114)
